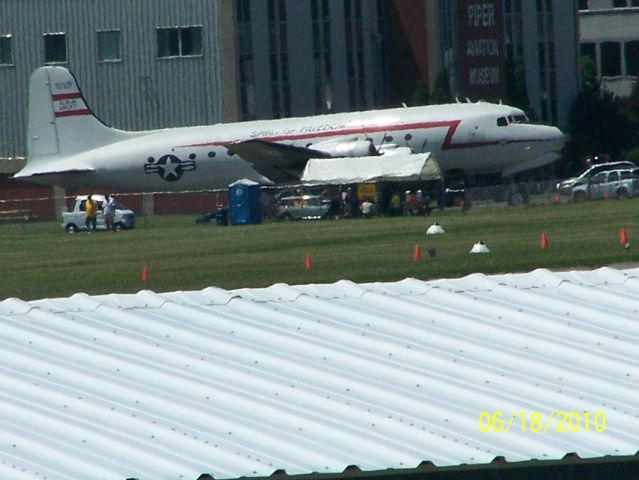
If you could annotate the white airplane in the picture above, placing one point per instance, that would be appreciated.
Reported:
(69, 147)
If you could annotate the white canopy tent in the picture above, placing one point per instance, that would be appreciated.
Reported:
(397, 167)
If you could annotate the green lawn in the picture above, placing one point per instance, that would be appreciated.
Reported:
(39, 260)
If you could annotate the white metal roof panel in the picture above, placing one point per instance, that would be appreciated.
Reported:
(315, 378)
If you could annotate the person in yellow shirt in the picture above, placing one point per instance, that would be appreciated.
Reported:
(395, 206)
(90, 213)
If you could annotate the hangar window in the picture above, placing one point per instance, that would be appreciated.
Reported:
(108, 45)
(610, 59)
(619, 3)
(502, 122)
(179, 42)
(55, 47)
(6, 50)
(589, 49)
(632, 58)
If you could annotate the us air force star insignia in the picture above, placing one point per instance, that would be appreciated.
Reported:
(170, 167)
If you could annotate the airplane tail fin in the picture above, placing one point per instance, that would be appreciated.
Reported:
(60, 122)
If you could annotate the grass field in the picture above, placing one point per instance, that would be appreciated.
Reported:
(39, 260)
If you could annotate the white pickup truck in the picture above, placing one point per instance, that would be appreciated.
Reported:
(73, 221)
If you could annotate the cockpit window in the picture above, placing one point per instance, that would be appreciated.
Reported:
(520, 119)
(502, 122)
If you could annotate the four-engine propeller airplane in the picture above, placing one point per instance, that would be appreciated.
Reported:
(69, 147)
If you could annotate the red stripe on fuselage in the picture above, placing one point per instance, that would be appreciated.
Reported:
(450, 124)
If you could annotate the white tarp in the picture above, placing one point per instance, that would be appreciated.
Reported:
(398, 167)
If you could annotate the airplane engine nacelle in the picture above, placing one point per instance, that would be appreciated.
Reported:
(355, 148)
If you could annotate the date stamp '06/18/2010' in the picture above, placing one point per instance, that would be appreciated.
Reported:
(536, 422)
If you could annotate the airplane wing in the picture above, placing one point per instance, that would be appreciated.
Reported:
(277, 161)
(25, 172)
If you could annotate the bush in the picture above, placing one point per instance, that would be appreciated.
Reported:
(633, 155)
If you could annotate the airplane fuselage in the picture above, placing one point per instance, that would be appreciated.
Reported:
(68, 146)
(461, 136)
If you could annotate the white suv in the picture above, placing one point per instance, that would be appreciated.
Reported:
(622, 183)
(565, 187)
(73, 221)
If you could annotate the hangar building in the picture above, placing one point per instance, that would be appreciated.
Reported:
(502, 377)
(523, 52)
(610, 36)
(153, 64)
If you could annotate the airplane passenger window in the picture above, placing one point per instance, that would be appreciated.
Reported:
(502, 122)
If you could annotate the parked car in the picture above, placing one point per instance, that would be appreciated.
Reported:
(622, 183)
(565, 187)
(302, 207)
(73, 221)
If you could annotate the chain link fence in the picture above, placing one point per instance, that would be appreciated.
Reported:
(343, 201)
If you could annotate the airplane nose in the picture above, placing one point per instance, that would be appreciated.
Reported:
(554, 139)
(558, 139)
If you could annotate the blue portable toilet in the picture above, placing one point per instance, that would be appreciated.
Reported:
(244, 200)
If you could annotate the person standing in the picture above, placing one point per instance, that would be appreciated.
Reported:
(367, 208)
(90, 213)
(108, 211)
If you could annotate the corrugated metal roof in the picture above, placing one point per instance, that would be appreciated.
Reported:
(315, 378)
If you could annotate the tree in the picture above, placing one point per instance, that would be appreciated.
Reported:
(598, 122)
(441, 89)
(516, 81)
(589, 82)
(420, 94)
(631, 106)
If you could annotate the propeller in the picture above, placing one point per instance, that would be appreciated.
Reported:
(374, 150)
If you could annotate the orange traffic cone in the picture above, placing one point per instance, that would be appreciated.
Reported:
(543, 244)
(145, 276)
(557, 200)
(623, 237)
(606, 195)
(417, 253)
(308, 263)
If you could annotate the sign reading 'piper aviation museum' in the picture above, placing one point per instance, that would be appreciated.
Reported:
(483, 61)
